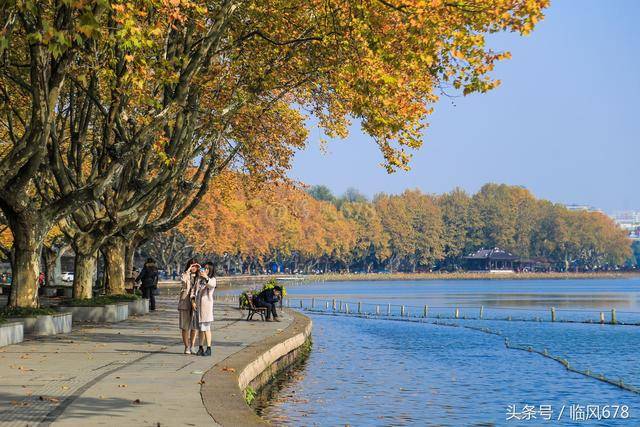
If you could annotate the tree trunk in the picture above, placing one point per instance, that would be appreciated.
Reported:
(129, 257)
(25, 270)
(25, 265)
(85, 268)
(57, 267)
(114, 255)
(50, 257)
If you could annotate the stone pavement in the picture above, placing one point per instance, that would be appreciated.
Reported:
(131, 373)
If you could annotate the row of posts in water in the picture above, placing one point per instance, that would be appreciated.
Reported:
(341, 307)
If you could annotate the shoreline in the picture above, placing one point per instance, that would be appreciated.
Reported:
(347, 277)
(226, 385)
(468, 276)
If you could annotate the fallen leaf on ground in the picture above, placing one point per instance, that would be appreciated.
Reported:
(16, 403)
(201, 382)
(137, 402)
(122, 385)
(65, 387)
(49, 399)
(228, 369)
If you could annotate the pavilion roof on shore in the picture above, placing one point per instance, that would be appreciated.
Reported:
(495, 254)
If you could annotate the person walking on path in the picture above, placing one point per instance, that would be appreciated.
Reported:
(185, 308)
(148, 278)
(269, 298)
(202, 303)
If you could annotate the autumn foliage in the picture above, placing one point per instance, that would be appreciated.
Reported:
(249, 230)
(106, 105)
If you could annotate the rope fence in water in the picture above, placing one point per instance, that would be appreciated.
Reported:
(417, 314)
(552, 314)
(530, 349)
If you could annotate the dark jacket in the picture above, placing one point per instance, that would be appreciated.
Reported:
(148, 276)
(268, 296)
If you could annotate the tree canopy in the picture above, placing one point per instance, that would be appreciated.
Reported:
(115, 116)
(251, 231)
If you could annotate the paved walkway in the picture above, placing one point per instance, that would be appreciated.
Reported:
(131, 373)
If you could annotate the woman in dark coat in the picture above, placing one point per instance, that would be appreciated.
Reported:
(148, 278)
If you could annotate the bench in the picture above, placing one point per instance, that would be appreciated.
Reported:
(253, 309)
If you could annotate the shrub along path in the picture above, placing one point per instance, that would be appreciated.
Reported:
(129, 373)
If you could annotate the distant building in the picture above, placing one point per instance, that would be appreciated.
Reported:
(497, 260)
(584, 208)
(492, 260)
(628, 220)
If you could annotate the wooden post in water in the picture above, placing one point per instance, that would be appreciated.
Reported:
(553, 314)
(333, 304)
(402, 311)
(388, 309)
(300, 302)
(377, 310)
(426, 311)
(313, 303)
(340, 306)
(346, 308)
(457, 313)
(326, 305)
(481, 311)
(359, 307)
(602, 317)
(613, 316)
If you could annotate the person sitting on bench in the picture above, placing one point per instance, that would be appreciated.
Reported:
(269, 298)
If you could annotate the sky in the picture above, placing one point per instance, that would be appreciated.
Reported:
(565, 122)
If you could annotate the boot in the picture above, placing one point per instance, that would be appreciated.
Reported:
(200, 351)
(207, 352)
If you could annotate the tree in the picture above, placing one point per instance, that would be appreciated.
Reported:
(321, 192)
(414, 225)
(457, 225)
(372, 242)
(106, 105)
(49, 50)
(171, 250)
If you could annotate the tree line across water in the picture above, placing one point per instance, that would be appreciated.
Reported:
(289, 229)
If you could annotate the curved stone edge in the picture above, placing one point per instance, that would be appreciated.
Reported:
(222, 391)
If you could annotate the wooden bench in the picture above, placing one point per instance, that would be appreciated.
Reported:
(253, 309)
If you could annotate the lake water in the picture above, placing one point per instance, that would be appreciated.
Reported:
(368, 371)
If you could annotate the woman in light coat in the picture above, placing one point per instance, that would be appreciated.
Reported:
(188, 279)
(202, 303)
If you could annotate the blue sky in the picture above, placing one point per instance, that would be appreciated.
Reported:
(564, 123)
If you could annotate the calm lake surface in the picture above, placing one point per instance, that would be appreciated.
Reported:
(384, 372)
